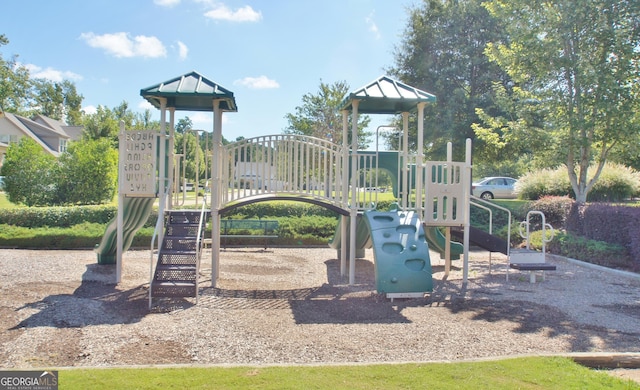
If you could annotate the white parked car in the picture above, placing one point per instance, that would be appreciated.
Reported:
(495, 188)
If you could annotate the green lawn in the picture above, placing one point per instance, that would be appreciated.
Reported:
(521, 373)
(4, 203)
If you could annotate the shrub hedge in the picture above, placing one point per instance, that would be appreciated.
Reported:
(305, 224)
(616, 183)
(34, 217)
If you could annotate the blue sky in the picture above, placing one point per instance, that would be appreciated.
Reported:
(268, 52)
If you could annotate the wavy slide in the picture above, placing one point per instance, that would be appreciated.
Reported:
(363, 237)
(401, 253)
(136, 211)
(438, 242)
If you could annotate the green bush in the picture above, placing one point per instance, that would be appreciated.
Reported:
(592, 251)
(29, 174)
(616, 183)
(87, 173)
(32, 217)
(555, 209)
(544, 182)
(322, 228)
(275, 209)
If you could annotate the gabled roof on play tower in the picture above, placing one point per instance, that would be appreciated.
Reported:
(190, 92)
(386, 96)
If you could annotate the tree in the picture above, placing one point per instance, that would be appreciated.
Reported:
(88, 172)
(28, 172)
(319, 115)
(59, 101)
(579, 63)
(101, 124)
(183, 125)
(442, 52)
(187, 144)
(14, 83)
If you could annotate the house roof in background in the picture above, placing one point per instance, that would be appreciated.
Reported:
(41, 128)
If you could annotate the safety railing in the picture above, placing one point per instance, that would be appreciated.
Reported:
(283, 164)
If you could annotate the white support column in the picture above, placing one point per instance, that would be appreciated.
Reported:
(163, 130)
(466, 180)
(216, 185)
(172, 153)
(161, 164)
(354, 194)
(405, 158)
(447, 241)
(344, 233)
(419, 179)
(120, 216)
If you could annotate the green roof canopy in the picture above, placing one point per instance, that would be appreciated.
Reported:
(190, 92)
(386, 96)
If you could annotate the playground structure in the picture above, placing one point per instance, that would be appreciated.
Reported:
(431, 195)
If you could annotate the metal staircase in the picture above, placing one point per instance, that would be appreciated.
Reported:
(178, 266)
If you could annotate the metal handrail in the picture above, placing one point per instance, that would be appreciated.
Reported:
(199, 249)
(473, 202)
(545, 227)
(156, 233)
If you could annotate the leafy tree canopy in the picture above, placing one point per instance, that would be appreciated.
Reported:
(88, 173)
(29, 174)
(14, 83)
(24, 95)
(442, 52)
(575, 66)
(319, 115)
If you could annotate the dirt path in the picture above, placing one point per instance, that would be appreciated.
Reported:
(58, 308)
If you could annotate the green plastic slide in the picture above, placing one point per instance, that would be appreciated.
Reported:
(437, 241)
(363, 237)
(401, 254)
(136, 211)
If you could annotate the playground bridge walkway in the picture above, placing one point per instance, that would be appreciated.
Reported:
(285, 166)
(314, 170)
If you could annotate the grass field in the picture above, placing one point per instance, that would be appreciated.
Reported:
(520, 373)
(4, 203)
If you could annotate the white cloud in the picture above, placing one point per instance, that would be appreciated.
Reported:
(89, 110)
(242, 14)
(166, 3)
(121, 45)
(204, 120)
(261, 82)
(183, 50)
(51, 74)
(373, 27)
(145, 105)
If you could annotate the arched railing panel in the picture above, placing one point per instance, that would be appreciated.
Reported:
(284, 164)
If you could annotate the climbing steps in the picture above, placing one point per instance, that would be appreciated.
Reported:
(176, 272)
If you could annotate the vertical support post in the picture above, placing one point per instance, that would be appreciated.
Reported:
(162, 148)
(420, 197)
(405, 158)
(162, 163)
(344, 237)
(171, 152)
(354, 193)
(216, 187)
(344, 233)
(120, 216)
(445, 210)
(467, 190)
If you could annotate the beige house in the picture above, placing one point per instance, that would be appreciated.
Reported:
(52, 135)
